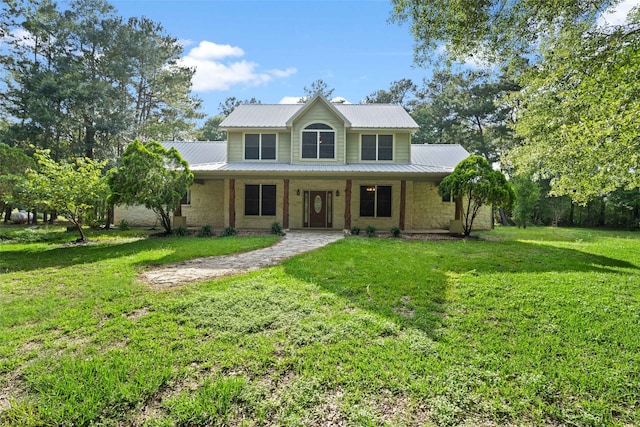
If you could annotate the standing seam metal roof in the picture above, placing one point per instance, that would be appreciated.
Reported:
(427, 158)
(374, 116)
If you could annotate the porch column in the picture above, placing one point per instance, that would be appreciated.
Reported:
(347, 206)
(285, 205)
(403, 202)
(232, 202)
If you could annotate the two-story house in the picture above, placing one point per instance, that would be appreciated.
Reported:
(317, 165)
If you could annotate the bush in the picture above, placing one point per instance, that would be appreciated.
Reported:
(229, 231)
(180, 231)
(276, 229)
(370, 230)
(395, 231)
(124, 225)
(355, 231)
(206, 231)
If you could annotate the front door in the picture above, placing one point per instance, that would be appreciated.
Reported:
(318, 209)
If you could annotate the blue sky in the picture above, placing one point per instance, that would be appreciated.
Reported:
(272, 49)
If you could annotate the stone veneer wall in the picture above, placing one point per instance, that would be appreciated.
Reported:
(207, 204)
(424, 206)
(136, 216)
(428, 211)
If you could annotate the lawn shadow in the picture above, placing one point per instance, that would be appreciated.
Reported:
(69, 254)
(409, 282)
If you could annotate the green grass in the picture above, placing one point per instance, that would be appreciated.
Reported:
(523, 327)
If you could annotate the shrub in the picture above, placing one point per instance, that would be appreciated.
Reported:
(395, 231)
(180, 231)
(229, 231)
(355, 231)
(370, 230)
(124, 225)
(206, 231)
(276, 229)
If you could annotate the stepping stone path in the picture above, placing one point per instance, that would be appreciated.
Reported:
(293, 243)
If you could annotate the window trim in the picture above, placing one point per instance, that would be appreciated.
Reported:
(375, 201)
(318, 131)
(377, 135)
(260, 134)
(261, 200)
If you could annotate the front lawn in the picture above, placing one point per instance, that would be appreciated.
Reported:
(523, 327)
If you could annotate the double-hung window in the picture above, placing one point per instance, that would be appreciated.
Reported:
(260, 200)
(318, 142)
(260, 146)
(375, 200)
(376, 147)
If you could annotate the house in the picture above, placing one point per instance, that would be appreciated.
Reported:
(317, 165)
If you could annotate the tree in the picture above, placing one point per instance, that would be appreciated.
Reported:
(578, 116)
(476, 183)
(82, 82)
(493, 30)
(232, 102)
(70, 189)
(576, 113)
(318, 86)
(152, 176)
(399, 93)
(211, 131)
(465, 108)
(14, 164)
(527, 194)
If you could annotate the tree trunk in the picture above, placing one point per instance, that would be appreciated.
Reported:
(109, 220)
(601, 218)
(571, 214)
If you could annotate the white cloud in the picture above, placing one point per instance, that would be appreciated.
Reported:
(186, 42)
(290, 100)
(617, 15)
(210, 50)
(22, 36)
(218, 69)
(283, 73)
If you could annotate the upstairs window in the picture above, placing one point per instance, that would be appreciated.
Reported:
(376, 147)
(318, 142)
(260, 146)
(375, 200)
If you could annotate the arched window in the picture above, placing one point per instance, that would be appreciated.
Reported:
(318, 142)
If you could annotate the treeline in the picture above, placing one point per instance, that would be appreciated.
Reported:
(82, 81)
(479, 111)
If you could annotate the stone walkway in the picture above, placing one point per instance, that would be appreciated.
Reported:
(293, 243)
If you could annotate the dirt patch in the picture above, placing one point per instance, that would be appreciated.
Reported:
(136, 314)
(403, 309)
(328, 413)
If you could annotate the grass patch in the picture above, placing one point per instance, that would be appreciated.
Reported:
(523, 327)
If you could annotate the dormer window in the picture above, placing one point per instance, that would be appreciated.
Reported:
(318, 142)
(376, 147)
(259, 146)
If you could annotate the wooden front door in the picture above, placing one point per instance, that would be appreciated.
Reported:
(318, 209)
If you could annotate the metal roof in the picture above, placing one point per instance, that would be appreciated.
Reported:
(260, 116)
(377, 116)
(425, 158)
(444, 155)
(369, 116)
(318, 168)
(199, 152)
